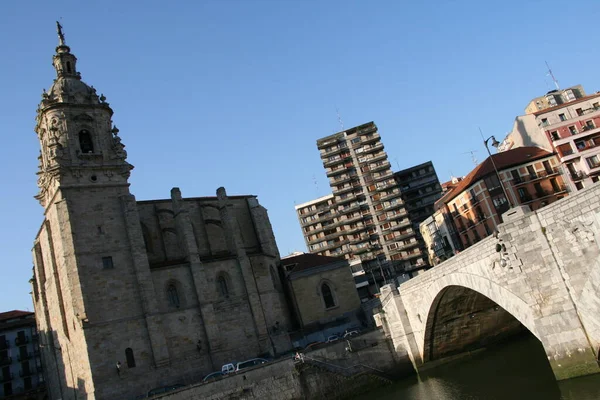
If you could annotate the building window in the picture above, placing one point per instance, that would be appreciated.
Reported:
(562, 117)
(523, 194)
(107, 263)
(129, 357)
(222, 285)
(539, 190)
(85, 142)
(172, 295)
(547, 167)
(554, 135)
(593, 162)
(573, 130)
(327, 296)
(580, 145)
(515, 175)
(589, 124)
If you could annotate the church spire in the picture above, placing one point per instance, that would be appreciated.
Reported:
(64, 61)
(61, 35)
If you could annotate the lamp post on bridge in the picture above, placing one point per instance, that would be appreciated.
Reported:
(495, 143)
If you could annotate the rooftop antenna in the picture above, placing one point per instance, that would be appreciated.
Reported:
(316, 185)
(339, 118)
(397, 163)
(552, 76)
(473, 158)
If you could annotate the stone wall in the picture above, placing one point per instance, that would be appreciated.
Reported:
(542, 268)
(285, 379)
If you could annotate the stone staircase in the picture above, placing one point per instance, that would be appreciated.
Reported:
(350, 372)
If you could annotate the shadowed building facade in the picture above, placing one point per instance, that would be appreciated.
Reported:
(132, 295)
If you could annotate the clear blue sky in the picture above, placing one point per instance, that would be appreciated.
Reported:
(235, 93)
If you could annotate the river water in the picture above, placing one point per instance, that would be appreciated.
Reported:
(515, 370)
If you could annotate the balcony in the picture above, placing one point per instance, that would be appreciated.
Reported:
(5, 361)
(578, 175)
(404, 247)
(340, 170)
(389, 196)
(381, 165)
(385, 185)
(334, 150)
(400, 225)
(370, 139)
(353, 176)
(383, 176)
(368, 129)
(396, 216)
(378, 157)
(19, 341)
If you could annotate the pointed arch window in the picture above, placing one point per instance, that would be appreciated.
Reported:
(222, 286)
(129, 357)
(327, 296)
(85, 141)
(173, 296)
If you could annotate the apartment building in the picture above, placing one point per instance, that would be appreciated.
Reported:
(573, 129)
(365, 217)
(529, 175)
(566, 122)
(555, 98)
(20, 356)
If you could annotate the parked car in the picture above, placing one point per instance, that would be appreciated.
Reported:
(250, 363)
(228, 368)
(164, 389)
(332, 338)
(213, 376)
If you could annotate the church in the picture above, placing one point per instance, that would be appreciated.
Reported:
(130, 295)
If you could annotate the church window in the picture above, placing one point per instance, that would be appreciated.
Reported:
(107, 263)
(69, 67)
(173, 295)
(85, 142)
(327, 296)
(222, 284)
(129, 357)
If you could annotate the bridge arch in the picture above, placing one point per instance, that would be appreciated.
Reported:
(469, 296)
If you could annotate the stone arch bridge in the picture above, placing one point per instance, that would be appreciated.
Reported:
(541, 272)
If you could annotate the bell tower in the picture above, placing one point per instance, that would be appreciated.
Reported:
(93, 294)
(80, 146)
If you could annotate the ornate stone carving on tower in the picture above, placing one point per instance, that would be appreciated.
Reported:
(80, 144)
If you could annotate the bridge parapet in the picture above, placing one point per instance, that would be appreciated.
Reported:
(542, 267)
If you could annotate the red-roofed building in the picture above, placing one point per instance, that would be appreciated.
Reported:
(474, 207)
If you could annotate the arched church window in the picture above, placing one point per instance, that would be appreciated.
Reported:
(327, 296)
(129, 357)
(172, 295)
(85, 142)
(222, 285)
(69, 67)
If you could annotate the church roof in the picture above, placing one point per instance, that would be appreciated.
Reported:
(306, 261)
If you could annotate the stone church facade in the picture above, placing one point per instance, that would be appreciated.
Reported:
(133, 295)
